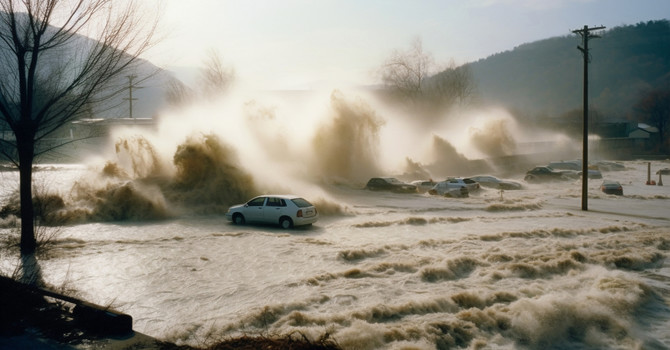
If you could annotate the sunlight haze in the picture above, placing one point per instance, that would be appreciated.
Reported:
(297, 44)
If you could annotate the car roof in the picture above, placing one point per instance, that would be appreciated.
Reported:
(283, 196)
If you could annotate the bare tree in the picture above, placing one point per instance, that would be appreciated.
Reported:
(59, 58)
(215, 77)
(404, 72)
(411, 76)
(453, 85)
(214, 80)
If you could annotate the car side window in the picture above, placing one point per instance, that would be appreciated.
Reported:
(276, 202)
(256, 202)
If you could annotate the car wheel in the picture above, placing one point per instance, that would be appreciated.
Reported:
(285, 223)
(238, 219)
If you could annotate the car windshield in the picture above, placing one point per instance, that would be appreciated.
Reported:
(301, 203)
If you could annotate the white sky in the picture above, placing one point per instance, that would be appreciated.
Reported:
(307, 43)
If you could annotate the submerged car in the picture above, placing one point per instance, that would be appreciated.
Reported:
(467, 182)
(573, 169)
(423, 185)
(494, 182)
(610, 166)
(450, 189)
(566, 165)
(389, 184)
(612, 187)
(593, 174)
(285, 210)
(545, 173)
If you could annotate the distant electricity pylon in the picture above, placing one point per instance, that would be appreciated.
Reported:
(586, 35)
(130, 92)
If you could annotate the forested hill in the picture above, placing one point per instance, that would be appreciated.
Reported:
(545, 78)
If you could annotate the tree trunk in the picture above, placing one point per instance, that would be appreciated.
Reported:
(26, 156)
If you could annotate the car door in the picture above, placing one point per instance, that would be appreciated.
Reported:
(274, 209)
(255, 209)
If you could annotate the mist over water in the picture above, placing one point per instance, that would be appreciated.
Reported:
(209, 155)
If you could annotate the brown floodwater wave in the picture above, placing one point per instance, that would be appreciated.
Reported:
(412, 221)
(139, 186)
(346, 147)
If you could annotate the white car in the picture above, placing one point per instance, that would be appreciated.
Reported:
(285, 210)
(469, 183)
(423, 185)
(450, 189)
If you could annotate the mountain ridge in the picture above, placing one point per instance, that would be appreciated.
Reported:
(545, 77)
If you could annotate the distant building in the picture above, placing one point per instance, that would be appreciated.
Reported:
(636, 139)
(89, 136)
(643, 131)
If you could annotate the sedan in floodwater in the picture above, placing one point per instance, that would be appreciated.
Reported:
(285, 210)
(545, 173)
(612, 187)
(450, 189)
(494, 182)
(389, 184)
(424, 185)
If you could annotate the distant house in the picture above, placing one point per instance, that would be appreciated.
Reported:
(636, 139)
(90, 136)
(642, 131)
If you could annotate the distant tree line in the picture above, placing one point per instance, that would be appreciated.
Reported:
(545, 77)
(629, 77)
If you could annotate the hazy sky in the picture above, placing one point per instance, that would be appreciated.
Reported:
(307, 43)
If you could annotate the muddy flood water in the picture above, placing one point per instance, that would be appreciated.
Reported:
(521, 269)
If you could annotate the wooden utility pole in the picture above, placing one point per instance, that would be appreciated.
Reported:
(130, 92)
(586, 35)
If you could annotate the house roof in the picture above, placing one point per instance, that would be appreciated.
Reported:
(647, 128)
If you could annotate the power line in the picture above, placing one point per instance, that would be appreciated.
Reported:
(586, 35)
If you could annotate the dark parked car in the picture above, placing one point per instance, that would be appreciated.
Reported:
(389, 184)
(566, 165)
(612, 187)
(545, 173)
